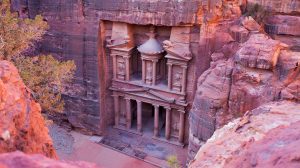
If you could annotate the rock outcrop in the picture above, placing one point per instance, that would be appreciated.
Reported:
(22, 126)
(267, 136)
(247, 63)
(21, 160)
(257, 65)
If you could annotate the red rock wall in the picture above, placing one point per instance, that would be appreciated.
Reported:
(22, 126)
(74, 34)
(247, 69)
(226, 90)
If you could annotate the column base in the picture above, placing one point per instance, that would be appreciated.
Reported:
(128, 130)
(168, 141)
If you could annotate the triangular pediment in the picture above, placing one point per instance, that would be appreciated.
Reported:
(148, 93)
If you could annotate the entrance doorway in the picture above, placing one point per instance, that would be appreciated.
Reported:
(147, 119)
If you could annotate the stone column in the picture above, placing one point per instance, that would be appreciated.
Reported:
(117, 110)
(168, 123)
(128, 113)
(181, 126)
(170, 76)
(144, 71)
(114, 66)
(184, 72)
(154, 72)
(139, 116)
(156, 120)
(127, 64)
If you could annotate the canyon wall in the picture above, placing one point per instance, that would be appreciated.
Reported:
(241, 63)
(257, 65)
(22, 126)
(75, 33)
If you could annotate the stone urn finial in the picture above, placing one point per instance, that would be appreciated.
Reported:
(152, 33)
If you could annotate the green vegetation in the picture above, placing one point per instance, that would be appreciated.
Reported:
(45, 76)
(173, 161)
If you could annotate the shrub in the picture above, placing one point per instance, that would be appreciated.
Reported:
(173, 161)
(45, 76)
(18, 34)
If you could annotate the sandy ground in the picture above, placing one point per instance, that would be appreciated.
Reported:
(78, 147)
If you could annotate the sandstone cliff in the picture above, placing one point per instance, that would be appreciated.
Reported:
(268, 136)
(253, 63)
(22, 126)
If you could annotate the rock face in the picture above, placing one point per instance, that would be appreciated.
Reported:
(21, 160)
(280, 6)
(75, 26)
(22, 126)
(240, 63)
(265, 137)
(257, 65)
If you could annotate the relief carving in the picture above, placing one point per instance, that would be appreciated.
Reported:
(149, 73)
(121, 67)
(177, 84)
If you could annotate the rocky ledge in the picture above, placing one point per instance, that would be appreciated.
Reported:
(21, 160)
(267, 136)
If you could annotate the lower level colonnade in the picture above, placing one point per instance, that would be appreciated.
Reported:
(169, 133)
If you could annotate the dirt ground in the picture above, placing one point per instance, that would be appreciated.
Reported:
(75, 146)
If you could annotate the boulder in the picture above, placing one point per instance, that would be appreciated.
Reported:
(260, 51)
(22, 126)
(250, 24)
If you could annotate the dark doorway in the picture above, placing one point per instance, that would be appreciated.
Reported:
(162, 121)
(147, 119)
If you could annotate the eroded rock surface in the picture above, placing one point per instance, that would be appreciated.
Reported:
(22, 126)
(254, 67)
(249, 67)
(21, 160)
(265, 137)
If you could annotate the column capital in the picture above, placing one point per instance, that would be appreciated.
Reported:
(181, 111)
(184, 66)
(126, 57)
(168, 108)
(138, 101)
(156, 106)
(127, 98)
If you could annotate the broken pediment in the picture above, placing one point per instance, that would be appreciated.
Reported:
(122, 36)
(178, 51)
